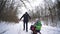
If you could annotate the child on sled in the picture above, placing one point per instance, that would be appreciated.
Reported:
(36, 27)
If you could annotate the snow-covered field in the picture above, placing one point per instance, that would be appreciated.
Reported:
(8, 28)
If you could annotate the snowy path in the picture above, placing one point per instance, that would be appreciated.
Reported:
(18, 29)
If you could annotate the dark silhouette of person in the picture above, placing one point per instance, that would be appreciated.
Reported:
(25, 20)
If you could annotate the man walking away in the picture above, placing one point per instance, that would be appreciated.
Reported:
(25, 20)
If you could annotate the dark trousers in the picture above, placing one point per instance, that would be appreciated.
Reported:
(25, 23)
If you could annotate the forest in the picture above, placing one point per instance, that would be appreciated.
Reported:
(47, 10)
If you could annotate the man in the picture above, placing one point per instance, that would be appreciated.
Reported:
(25, 20)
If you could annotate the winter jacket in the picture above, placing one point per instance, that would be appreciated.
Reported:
(38, 25)
(26, 17)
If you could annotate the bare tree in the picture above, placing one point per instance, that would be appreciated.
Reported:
(8, 11)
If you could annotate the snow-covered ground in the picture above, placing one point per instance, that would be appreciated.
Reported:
(8, 28)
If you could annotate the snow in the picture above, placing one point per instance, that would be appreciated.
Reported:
(17, 28)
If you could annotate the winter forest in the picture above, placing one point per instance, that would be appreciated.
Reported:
(46, 10)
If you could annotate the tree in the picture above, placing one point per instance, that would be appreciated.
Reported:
(58, 7)
(8, 11)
